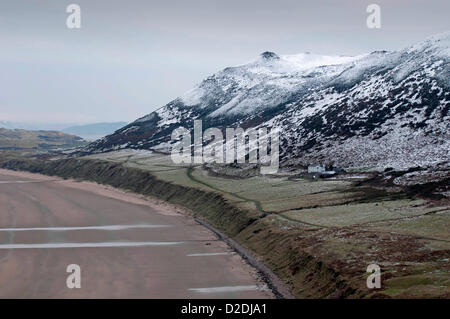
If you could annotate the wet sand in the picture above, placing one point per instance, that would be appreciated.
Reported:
(127, 245)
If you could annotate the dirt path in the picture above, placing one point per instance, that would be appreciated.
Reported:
(257, 203)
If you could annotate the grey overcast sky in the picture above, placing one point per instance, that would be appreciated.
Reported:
(131, 57)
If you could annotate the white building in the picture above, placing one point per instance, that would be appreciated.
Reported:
(316, 169)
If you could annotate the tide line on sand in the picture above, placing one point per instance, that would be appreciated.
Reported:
(106, 227)
(88, 245)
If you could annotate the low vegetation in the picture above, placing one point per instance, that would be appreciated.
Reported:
(37, 140)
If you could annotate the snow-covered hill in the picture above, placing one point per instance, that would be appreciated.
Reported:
(383, 109)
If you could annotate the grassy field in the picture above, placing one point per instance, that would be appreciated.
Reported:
(38, 140)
